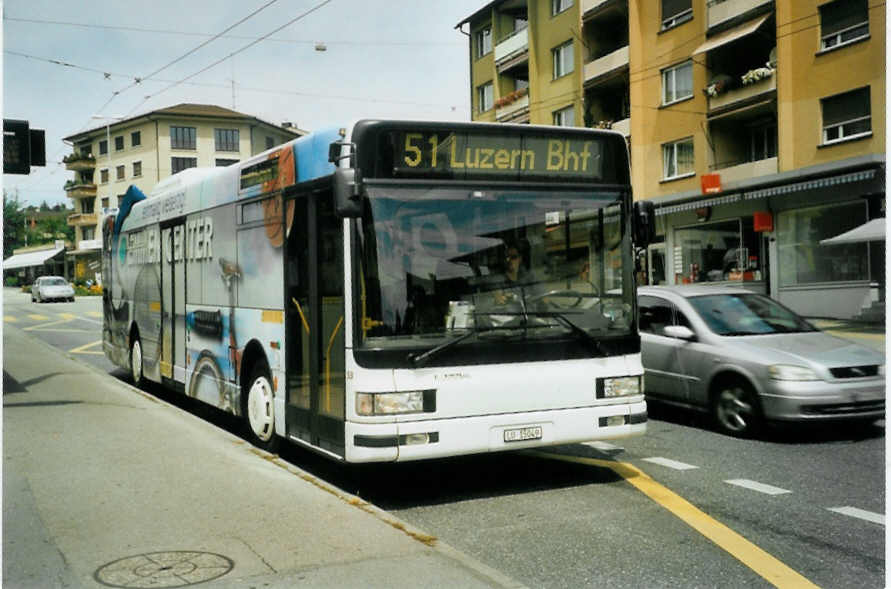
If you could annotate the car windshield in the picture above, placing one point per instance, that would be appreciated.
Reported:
(53, 282)
(747, 314)
(437, 264)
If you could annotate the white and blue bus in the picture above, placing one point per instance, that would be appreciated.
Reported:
(393, 290)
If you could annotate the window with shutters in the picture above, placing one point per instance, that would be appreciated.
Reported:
(846, 116)
(843, 22)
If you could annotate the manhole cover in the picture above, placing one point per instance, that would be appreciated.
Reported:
(164, 569)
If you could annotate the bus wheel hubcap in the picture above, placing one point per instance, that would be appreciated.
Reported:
(259, 407)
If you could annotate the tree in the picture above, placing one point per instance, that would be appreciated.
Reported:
(13, 223)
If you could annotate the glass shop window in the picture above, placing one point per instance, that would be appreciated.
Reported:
(724, 251)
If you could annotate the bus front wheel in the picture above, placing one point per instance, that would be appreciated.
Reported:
(257, 409)
(136, 360)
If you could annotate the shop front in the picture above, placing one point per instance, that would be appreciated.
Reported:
(765, 235)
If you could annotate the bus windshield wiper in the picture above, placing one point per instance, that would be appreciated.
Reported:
(575, 329)
(421, 359)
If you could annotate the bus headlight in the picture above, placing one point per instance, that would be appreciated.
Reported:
(395, 403)
(623, 386)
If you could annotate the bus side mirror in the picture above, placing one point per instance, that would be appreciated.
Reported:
(643, 223)
(347, 193)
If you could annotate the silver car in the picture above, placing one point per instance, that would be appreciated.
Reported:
(746, 359)
(48, 288)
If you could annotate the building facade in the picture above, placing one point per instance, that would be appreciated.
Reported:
(757, 127)
(147, 148)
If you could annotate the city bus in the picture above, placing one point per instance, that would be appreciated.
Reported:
(392, 290)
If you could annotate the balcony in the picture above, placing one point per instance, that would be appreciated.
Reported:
(623, 127)
(722, 11)
(515, 111)
(512, 50)
(76, 219)
(742, 95)
(79, 189)
(607, 65)
(78, 162)
(748, 170)
(592, 9)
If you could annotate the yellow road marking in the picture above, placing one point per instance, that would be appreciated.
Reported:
(43, 326)
(93, 314)
(37, 317)
(67, 316)
(769, 567)
(855, 335)
(10, 318)
(84, 349)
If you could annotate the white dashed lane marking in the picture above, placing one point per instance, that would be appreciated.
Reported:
(669, 463)
(756, 486)
(604, 447)
(876, 518)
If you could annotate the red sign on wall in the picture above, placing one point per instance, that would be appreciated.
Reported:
(762, 220)
(711, 183)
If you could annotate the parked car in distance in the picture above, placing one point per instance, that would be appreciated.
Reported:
(48, 288)
(747, 359)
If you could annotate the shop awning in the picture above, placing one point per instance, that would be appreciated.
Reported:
(733, 34)
(870, 231)
(29, 259)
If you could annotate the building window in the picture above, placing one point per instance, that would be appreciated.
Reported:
(483, 41)
(676, 12)
(88, 233)
(87, 205)
(762, 141)
(562, 56)
(105, 202)
(843, 22)
(677, 82)
(182, 137)
(119, 143)
(121, 199)
(846, 116)
(137, 169)
(565, 117)
(103, 176)
(226, 139)
(558, 6)
(222, 163)
(484, 97)
(135, 138)
(270, 143)
(103, 147)
(715, 252)
(677, 159)
(802, 260)
(120, 172)
(178, 164)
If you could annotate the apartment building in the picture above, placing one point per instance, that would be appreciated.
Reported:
(757, 127)
(143, 150)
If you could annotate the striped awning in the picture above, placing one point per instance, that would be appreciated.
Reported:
(767, 192)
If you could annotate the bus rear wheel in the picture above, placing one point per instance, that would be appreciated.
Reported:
(136, 360)
(258, 409)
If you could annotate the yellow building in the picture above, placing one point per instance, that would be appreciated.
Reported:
(757, 127)
(147, 148)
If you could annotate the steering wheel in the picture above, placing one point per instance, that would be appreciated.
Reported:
(570, 294)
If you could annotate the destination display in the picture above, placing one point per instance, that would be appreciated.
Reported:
(511, 155)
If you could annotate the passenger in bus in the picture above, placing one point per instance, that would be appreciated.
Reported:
(515, 274)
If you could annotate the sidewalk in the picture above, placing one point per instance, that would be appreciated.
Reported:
(105, 485)
(868, 334)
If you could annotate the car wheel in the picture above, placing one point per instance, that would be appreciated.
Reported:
(735, 409)
(136, 361)
(257, 409)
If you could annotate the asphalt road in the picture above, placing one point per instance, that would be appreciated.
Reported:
(681, 506)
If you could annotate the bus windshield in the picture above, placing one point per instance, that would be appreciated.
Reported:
(467, 265)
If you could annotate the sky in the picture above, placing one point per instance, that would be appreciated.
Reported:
(66, 62)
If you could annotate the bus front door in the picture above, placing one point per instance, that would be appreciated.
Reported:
(314, 322)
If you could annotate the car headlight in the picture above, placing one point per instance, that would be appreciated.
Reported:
(791, 372)
(395, 403)
(622, 386)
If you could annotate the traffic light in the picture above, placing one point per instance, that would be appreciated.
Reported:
(23, 147)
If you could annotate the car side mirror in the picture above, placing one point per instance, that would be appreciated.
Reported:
(679, 332)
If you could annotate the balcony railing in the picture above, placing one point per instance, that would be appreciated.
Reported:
(83, 219)
(79, 189)
(737, 95)
(78, 162)
(720, 11)
(512, 46)
(513, 110)
(609, 63)
(748, 170)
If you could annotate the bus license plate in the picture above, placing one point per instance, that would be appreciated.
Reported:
(521, 434)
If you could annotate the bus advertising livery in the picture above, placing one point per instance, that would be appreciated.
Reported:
(393, 290)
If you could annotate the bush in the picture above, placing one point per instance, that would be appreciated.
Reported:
(12, 281)
(85, 291)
